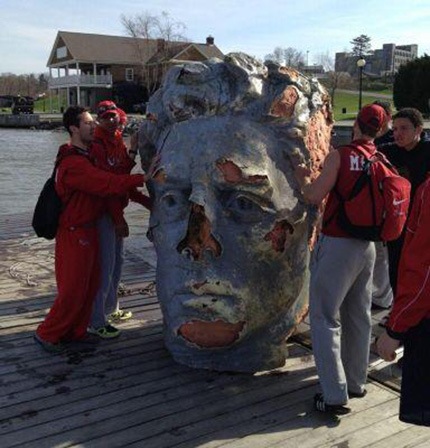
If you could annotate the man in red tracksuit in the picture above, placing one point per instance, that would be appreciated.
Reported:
(109, 153)
(409, 320)
(81, 187)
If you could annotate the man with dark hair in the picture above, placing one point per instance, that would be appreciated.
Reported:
(341, 273)
(81, 188)
(410, 154)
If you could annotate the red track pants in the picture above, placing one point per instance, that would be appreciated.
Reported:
(77, 275)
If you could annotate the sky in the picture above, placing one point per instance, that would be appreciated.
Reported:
(28, 27)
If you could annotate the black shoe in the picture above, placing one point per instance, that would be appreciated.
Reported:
(352, 394)
(336, 409)
(49, 347)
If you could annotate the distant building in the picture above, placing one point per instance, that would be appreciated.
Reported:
(382, 62)
(88, 68)
(316, 71)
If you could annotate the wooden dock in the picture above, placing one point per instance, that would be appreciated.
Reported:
(128, 392)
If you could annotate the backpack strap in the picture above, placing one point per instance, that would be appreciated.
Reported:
(359, 184)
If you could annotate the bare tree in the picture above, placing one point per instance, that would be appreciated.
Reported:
(289, 57)
(146, 28)
(333, 80)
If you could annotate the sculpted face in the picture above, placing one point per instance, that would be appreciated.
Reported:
(229, 226)
(231, 240)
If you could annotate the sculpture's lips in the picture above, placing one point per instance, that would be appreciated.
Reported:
(211, 334)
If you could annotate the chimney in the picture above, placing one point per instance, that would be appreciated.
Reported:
(210, 40)
(161, 45)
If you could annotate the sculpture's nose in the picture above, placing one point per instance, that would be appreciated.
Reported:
(199, 238)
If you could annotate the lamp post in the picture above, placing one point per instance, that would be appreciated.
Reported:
(361, 62)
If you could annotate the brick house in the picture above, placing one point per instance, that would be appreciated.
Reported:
(88, 68)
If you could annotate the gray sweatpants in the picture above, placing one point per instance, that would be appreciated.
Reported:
(382, 294)
(111, 261)
(340, 317)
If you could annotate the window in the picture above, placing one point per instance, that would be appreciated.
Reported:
(61, 52)
(129, 74)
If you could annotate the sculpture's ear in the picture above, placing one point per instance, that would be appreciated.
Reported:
(283, 105)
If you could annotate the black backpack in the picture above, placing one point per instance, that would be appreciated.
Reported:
(47, 211)
(46, 215)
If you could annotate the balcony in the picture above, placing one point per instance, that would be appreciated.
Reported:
(81, 81)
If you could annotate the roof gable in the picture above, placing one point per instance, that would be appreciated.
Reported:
(104, 49)
(98, 48)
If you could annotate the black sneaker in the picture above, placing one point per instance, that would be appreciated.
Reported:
(106, 332)
(352, 394)
(49, 347)
(336, 409)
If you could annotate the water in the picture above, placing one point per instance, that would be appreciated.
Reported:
(26, 161)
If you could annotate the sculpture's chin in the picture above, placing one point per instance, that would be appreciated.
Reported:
(208, 334)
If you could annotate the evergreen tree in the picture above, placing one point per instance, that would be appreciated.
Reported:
(411, 85)
(361, 45)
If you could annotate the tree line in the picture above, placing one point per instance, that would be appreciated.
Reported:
(24, 85)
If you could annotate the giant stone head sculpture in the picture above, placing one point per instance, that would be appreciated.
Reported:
(231, 231)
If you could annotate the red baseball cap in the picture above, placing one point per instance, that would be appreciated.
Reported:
(107, 108)
(372, 116)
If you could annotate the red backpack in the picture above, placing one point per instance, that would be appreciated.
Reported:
(377, 207)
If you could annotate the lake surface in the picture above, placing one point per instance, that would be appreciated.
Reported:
(26, 161)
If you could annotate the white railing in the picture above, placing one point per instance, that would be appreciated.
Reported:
(80, 80)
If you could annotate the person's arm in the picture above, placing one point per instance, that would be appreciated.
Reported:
(411, 303)
(413, 284)
(140, 198)
(77, 173)
(314, 191)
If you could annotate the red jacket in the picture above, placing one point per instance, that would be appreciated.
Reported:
(81, 186)
(412, 302)
(109, 153)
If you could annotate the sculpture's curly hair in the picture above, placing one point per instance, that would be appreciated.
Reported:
(297, 107)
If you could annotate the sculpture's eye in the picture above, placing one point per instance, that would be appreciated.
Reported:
(245, 208)
(244, 204)
(170, 201)
(173, 205)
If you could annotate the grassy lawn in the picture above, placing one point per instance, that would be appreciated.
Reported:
(349, 101)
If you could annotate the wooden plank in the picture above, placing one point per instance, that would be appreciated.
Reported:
(295, 426)
(221, 392)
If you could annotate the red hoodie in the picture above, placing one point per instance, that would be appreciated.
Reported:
(80, 186)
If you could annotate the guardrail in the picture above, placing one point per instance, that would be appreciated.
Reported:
(19, 121)
(80, 80)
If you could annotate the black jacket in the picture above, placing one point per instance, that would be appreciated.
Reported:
(413, 164)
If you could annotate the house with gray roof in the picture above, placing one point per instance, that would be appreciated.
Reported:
(88, 68)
